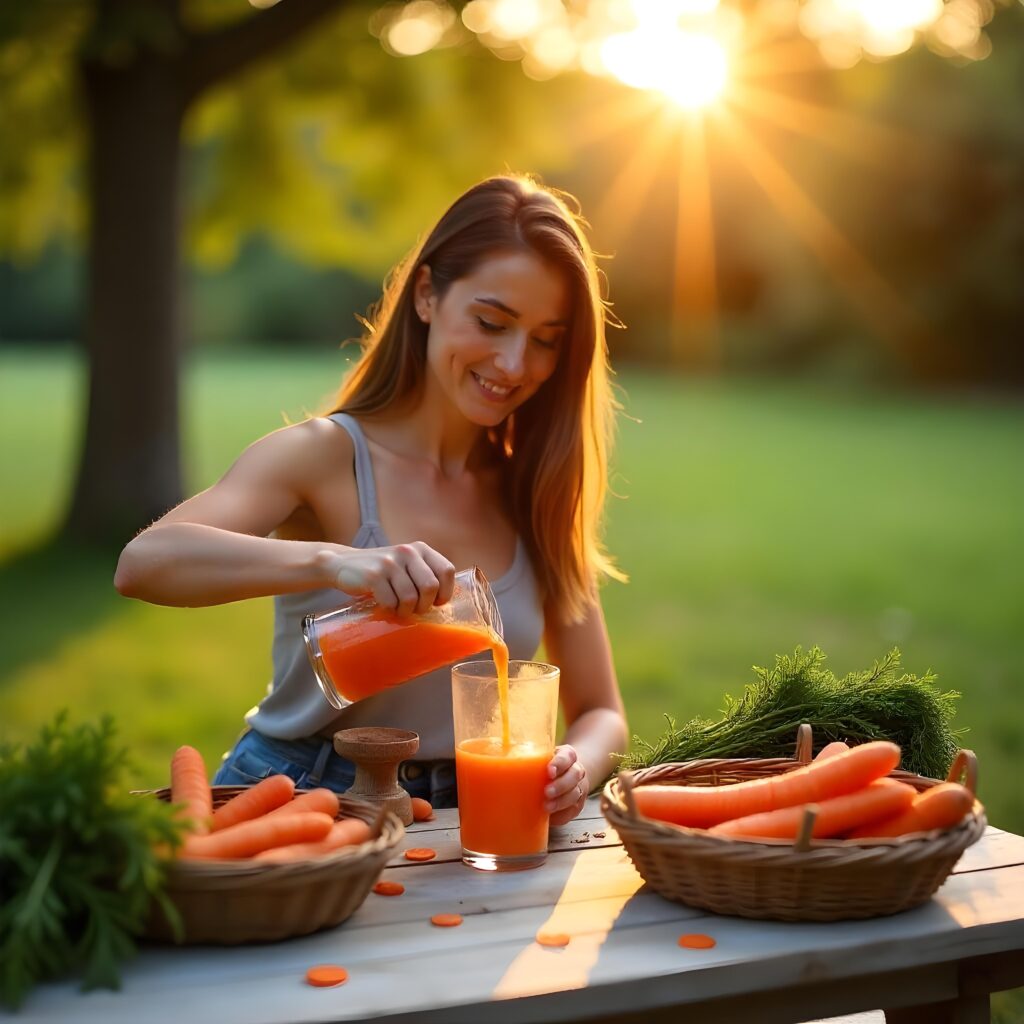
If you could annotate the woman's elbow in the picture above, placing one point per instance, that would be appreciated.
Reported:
(129, 575)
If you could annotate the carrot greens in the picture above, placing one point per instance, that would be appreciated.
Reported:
(875, 704)
(78, 860)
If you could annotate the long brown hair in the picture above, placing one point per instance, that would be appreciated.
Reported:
(554, 448)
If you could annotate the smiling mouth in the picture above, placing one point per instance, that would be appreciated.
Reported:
(496, 390)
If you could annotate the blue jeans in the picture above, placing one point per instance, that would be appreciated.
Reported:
(313, 762)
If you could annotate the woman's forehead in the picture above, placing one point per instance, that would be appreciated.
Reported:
(520, 284)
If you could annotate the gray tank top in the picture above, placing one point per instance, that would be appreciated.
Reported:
(294, 706)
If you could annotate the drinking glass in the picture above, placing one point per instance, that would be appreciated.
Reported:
(501, 784)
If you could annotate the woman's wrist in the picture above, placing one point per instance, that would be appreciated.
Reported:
(327, 564)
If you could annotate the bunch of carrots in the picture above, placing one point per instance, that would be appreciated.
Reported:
(266, 823)
(846, 785)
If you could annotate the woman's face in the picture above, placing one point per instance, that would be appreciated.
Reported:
(494, 337)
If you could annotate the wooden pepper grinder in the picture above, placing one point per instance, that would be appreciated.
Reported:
(377, 753)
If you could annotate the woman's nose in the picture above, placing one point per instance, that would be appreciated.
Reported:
(510, 356)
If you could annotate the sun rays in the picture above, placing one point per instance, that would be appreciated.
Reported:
(693, 88)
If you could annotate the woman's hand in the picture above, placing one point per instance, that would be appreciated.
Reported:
(407, 578)
(566, 793)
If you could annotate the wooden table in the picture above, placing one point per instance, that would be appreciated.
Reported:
(623, 962)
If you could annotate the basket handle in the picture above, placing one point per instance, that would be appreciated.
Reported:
(966, 764)
(803, 837)
(804, 743)
(626, 781)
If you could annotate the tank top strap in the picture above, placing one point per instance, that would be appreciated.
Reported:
(364, 468)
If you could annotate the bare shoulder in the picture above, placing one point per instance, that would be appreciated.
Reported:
(299, 451)
(319, 457)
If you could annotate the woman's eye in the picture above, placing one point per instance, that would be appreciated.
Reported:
(488, 326)
(546, 343)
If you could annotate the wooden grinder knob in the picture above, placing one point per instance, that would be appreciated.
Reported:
(377, 752)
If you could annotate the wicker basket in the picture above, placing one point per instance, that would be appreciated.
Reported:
(231, 902)
(810, 880)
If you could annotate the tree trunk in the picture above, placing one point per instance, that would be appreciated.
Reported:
(130, 466)
(140, 70)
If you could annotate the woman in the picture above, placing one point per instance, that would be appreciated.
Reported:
(473, 431)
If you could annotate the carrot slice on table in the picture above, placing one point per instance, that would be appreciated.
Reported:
(421, 809)
(254, 802)
(189, 786)
(876, 801)
(248, 838)
(704, 806)
(323, 800)
(420, 853)
(326, 975)
(446, 920)
(696, 940)
(389, 888)
(554, 940)
(941, 806)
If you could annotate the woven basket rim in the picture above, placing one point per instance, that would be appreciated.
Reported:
(931, 843)
(390, 834)
(935, 841)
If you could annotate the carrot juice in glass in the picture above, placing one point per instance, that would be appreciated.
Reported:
(361, 649)
(504, 739)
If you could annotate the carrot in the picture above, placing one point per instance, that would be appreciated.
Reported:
(831, 749)
(326, 975)
(421, 809)
(941, 806)
(325, 801)
(350, 832)
(420, 853)
(190, 787)
(387, 888)
(446, 920)
(553, 940)
(704, 806)
(697, 940)
(268, 793)
(248, 838)
(875, 801)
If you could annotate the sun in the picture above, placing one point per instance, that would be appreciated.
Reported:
(690, 68)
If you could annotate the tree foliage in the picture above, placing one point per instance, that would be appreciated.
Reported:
(332, 147)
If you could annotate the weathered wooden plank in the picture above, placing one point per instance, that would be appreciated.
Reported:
(448, 817)
(442, 834)
(619, 958)
(996, 849)
(431, 889)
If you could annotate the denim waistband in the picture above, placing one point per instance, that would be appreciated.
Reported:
(313, 761)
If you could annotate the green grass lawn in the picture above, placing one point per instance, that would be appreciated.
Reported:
(752, 517)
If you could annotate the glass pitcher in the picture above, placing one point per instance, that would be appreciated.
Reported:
(361, 649)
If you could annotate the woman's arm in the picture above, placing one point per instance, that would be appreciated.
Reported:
(594, 714)
(214, 548)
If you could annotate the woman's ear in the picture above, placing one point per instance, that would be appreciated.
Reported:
(423, 293)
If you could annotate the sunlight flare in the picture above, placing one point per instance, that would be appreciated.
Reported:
(880, 305)
(690, 68)
(695, 294)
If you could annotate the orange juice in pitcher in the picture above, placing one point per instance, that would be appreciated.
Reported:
(361, 649)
